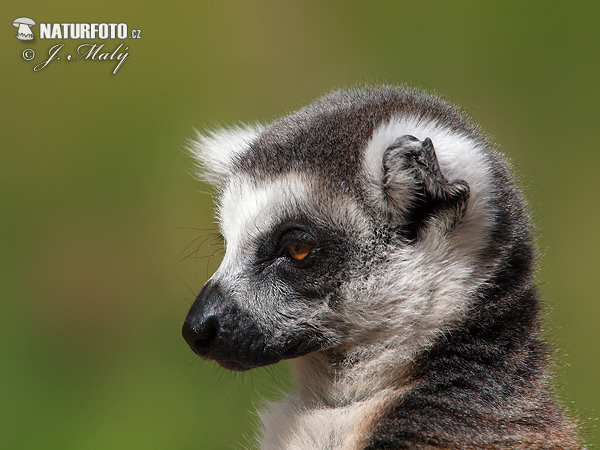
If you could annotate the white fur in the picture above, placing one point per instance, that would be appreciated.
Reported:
(459, 157)
(215, 150)
(295, 424)
(393, 310)
(397, 309)
(247, 209)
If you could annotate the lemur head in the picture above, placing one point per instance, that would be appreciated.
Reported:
(360, 222)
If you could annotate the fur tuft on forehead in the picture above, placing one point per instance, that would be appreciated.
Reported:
(215, 150)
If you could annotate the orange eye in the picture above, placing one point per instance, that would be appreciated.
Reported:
(299, 251)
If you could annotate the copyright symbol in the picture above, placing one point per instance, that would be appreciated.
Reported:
(28, 54)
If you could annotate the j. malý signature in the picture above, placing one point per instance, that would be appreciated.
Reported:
(91, 52)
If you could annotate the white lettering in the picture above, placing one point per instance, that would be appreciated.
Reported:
(85, 31)
(75, 31)
(94, 28)
(52, 55)
(45, 29)
(122, 31)
(103, 31)
(113, 27)
(56, 34)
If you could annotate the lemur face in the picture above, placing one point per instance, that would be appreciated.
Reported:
(286, 257)
(338, 232)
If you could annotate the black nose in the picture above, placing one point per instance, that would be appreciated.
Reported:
(201, 325)
(217, 328)
(200, 337)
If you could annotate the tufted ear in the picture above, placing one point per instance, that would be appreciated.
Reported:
(415, 185)
(215, 150)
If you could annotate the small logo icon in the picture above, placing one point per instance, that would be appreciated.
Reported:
(24, 25)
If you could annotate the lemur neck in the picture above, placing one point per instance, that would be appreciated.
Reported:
(495, 333)
(335, 380)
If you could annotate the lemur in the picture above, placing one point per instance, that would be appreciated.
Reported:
(376, 238)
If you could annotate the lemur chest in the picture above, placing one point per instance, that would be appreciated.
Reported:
(291, 425)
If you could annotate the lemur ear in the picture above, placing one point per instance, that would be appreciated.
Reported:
(414, 184)
(215, 150)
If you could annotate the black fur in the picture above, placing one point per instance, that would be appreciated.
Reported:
(217, 328)
(484, 383)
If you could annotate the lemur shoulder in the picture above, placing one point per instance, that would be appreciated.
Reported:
(377, 239)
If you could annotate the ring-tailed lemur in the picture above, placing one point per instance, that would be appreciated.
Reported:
(377, 239)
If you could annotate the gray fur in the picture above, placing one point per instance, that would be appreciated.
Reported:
(413, 322)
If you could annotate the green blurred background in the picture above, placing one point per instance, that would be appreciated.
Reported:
(99, 209)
